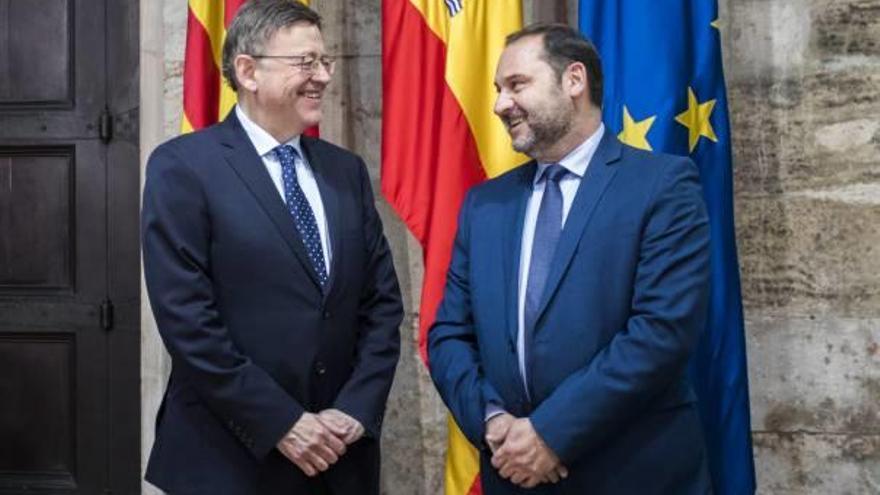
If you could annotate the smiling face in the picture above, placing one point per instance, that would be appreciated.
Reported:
(280, 96)
(531, 102)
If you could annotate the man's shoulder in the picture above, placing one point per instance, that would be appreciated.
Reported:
(329, 150)
(653, 160)
(335, 160)
(190, 142)
(506, 182)
(193, 150)
(649, 167)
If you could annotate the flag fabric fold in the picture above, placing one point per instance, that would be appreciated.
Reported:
(439, 137)
(664, 91)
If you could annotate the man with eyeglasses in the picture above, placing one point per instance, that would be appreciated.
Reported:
(271, 282)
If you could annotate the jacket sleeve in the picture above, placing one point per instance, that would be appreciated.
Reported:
(453, 352)
(380, 313)
(176, 230)
(668, 311)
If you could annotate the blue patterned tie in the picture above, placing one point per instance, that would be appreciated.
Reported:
(303, 216)
(547, 232)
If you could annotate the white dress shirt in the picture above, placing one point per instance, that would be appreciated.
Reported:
(576, 163)
(265, 144)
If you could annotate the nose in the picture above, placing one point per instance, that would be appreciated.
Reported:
(503, 103)
(322, 74)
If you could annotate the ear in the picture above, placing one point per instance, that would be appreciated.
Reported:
(245, 72)
(575, 80)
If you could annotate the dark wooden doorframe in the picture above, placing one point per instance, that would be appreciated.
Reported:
(69, 255)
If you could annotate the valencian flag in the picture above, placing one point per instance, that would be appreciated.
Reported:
(206, 97)
(664, 91)
(439, 137)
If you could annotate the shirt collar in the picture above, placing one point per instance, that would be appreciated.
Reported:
(579, 158)
(262, 140)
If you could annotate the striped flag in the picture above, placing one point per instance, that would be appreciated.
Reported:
(206, 97)
(439, 137)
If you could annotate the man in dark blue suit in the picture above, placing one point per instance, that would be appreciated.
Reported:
(576, 291)
(271, 282)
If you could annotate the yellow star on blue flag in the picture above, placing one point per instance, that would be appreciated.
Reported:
(696, 119)
(635, 133)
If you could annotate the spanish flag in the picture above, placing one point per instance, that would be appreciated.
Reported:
(439, 137)
(206, 97)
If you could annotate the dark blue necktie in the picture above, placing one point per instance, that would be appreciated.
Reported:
(303, 216)
(547, 232)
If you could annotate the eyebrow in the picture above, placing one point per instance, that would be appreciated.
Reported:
(513, 78)
(304, 54)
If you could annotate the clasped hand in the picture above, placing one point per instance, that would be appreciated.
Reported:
(317, 441)
(519, 454)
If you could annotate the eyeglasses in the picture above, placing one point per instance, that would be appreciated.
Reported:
(307, 64)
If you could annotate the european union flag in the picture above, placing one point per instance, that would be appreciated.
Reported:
(664, 91)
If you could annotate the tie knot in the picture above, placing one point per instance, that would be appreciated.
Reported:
(286, 153)
(555, 172)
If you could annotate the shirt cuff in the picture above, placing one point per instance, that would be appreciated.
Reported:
(493, 410)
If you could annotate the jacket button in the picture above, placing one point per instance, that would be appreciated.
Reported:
(319, 368)
(327, 315)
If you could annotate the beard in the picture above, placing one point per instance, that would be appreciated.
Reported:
(545, 127)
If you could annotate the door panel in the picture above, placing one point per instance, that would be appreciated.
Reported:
(69, 374)
(39, 411)
(37, 70)
(53, 349)
(36, 206)
(53, 77)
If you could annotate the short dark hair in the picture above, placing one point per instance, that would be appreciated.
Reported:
(255, 23)
(563, 46)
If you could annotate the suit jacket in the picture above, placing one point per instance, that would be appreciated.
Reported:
(254, 341)
(623, 306)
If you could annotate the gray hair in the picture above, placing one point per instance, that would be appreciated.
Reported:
(255, 23)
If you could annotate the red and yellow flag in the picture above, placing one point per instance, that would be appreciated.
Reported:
(439, 137)
(206, 97)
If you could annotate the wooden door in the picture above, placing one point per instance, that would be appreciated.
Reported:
(69, 272)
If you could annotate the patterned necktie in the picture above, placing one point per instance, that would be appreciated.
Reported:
(303, 216)
(547, 232)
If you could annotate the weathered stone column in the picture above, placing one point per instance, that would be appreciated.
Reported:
(804, 89)
(162, 38)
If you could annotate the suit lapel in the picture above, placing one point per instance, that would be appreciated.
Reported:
(329, 188)
(512, 246)
(242, 157)
(596, 179)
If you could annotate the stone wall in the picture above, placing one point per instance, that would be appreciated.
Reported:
(804, 88)
(803, 84)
